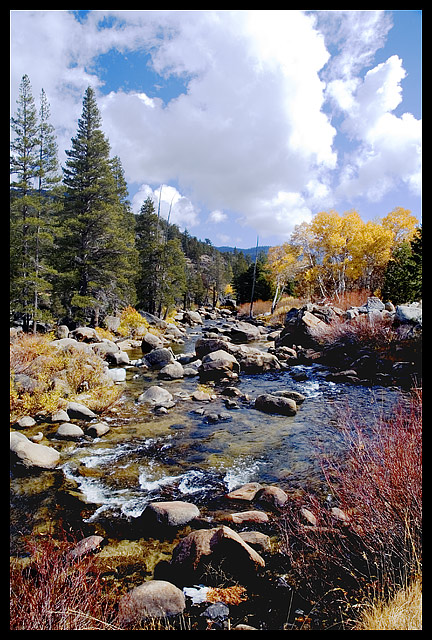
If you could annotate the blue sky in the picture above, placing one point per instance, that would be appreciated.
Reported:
(247, 122)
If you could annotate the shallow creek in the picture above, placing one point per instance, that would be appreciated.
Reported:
(103, 485)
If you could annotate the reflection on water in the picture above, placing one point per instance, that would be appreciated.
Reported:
(183, 455)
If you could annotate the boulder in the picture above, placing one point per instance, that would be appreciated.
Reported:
(60, 416)
(298, 397)
(152, 599)
(172, 371)
(97, 429)
(78, 411)
(247, 491)
(32, 454)
(409, 313)
(117, 374)
(220, 543)
(105, 347)
(118, 358)
(253, 516)
(204, 346)
(244, 332)
(159, 358)
(65, 344)
(174, 513)
(273, 496)
(257, 540)
(25, 421)
(256, 361)
(85, 334)
(218, 364)
(276, 404)
(150, 342)
(157, 397)
(69, 431)
(192, 317)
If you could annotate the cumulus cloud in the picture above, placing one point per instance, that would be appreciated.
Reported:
(252, 133)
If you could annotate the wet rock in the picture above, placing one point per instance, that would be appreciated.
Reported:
(97, 429)
(276, 404)
(247, 491)
(175, 513)
(255, 517)
(69, 431)
(32, 454)
(273, 496)
(78, 411)
(221, 543)
(159, 358)
(157, 397)
(172, 371)
(150, 342)
(152, 599)
(298, 398)
(218, 364)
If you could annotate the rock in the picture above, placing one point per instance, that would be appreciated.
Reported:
(85, 334)
(276, 404)
(373, 304)
(256, 361)
(24, 383)
(257, 540)
(244, 332)
(204, 346)
(60, 416)
(175, 513)
(217, 612)
(105, 348)
(219, 364)
(247, 491)
(37, 437)
(25, 421)
(157, 397)
(78, 411)
(62, 331)
(97, 430)
(117, 375)
(308, 515)
(118, 357)
(152, 599)
(85, 546)
(65, 344)
(298, 398)
(112, 323)
(340, 515)
(255, 517)
(32, 454)
(201, 396)
(69, 431)
(222, 542)
(159, 358)
(150, 342)
(274, 496)
(172, 371)
(243, 627)
(192, 317)
(409, 313)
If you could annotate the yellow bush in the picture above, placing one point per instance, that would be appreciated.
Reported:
(130, 322)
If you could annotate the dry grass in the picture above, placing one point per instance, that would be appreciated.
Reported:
(56, 375)
(402, 613)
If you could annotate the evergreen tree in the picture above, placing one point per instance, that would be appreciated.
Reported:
(403, 275)
(35, 200)
(96, 255)
(243, 284)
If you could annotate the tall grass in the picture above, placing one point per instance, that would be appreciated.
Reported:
(376, 487)
(52, 592)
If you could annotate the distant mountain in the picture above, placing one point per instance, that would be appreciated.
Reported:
(247, 252)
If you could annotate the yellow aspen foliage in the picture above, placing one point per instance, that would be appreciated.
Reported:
(402, 224)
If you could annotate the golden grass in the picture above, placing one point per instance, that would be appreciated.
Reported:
(402, 613)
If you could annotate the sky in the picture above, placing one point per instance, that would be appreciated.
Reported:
(243, 123)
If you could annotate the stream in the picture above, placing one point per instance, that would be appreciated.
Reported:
(104, 484)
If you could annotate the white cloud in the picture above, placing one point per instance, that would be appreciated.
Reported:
(217, 216)
(179, 209)
(389, 147)
(251, 134)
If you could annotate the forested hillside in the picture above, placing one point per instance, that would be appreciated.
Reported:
(78, 252)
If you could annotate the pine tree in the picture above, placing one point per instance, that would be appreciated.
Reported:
(34, 203)
(96, 252)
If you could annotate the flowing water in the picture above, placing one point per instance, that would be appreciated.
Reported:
(185, 454)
